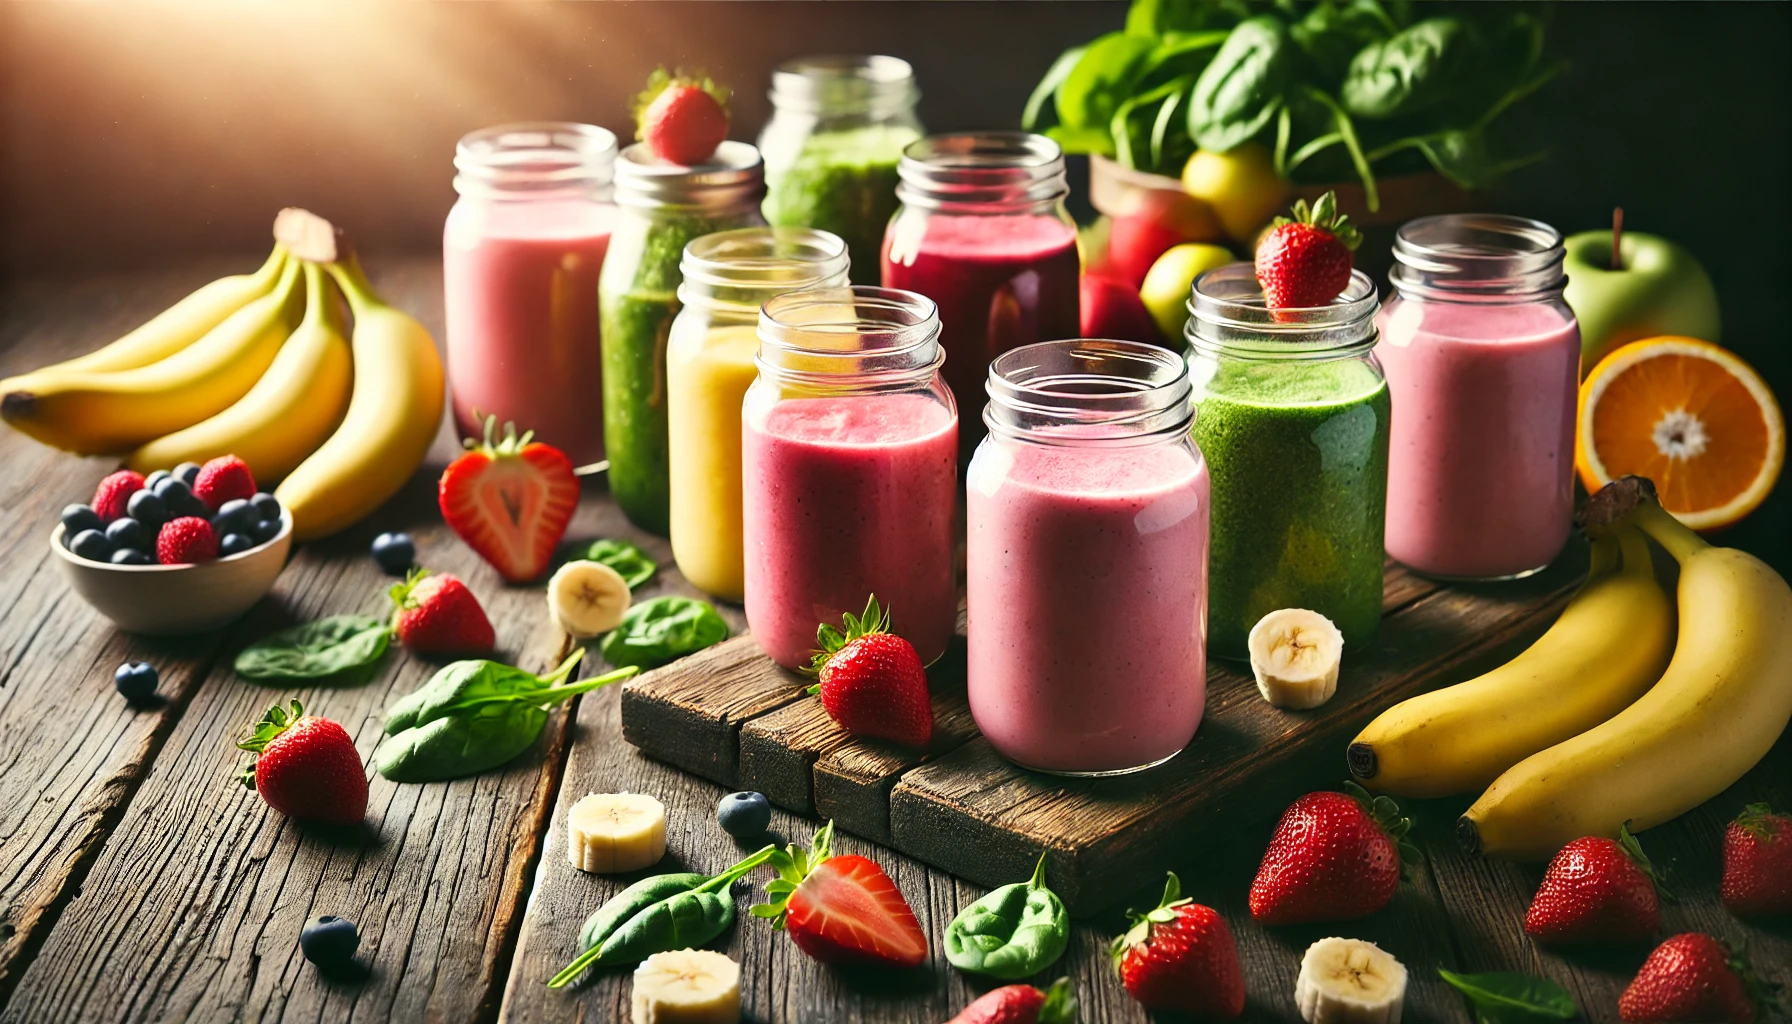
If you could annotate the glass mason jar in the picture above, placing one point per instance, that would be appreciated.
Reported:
(663, 207)
(849, 470)
(1086, 559)
(521, 252)
(1292, 416)
(838, 127)
(709, 365)
(982, 231)
(1483, 361)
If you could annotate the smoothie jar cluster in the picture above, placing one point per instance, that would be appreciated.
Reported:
(521, 253)
(1293, 418)
(838, 127)
(663, 207)
(849, 470)
(982, 231)
(1483, 360)
(709, 366)
(1087, 545)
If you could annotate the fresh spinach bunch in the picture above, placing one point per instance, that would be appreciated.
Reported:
(473, 716)
(657, 915)
(1014, 932)
(661, 629)
(341, 648)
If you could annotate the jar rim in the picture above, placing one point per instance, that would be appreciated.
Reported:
(780, 258)
(853, 329)
(967, 170)
(536, 157)
(735, 176)
(1081, 391)
(1228, 312)
(1478, 257)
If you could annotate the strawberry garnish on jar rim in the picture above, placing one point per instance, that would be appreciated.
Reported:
(1304, 261)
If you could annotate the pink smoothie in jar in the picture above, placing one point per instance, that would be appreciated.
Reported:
(1482, 358)
(521, 253)
(1087, 510)
(849, 471)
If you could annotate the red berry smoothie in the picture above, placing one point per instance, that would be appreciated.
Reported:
(845, 497)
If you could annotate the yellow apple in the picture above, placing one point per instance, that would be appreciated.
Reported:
(1240, 185)
(1167, 283)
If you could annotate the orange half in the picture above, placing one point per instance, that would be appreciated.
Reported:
(1691, 417)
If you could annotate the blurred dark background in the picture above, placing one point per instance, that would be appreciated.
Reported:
(135, 133)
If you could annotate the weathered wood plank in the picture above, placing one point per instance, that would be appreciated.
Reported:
(690, 713)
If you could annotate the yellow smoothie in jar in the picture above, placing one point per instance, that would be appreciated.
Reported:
(707, 375)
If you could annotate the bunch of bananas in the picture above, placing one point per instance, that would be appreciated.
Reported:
(1609, 717)
(262, 366)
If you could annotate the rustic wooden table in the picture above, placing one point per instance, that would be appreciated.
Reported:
(140, 882)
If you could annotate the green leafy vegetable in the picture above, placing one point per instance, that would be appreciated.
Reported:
(1501, 997)
(473, 716)
(1412, 71)
(313, 651)
(1101, 79)
(630, 562)
(662, 629)
(1238, 94)
(1014, 932)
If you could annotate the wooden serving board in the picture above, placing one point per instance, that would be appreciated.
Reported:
(731, 715)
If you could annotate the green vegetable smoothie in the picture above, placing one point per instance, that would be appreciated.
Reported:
(843, 182)
(1298, 455)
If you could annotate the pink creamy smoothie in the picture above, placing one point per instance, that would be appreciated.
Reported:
(844, 498)
(1087, 603)
(1481, 452)
(521, 282)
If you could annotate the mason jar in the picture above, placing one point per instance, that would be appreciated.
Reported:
(663, 206)
(1483, 361)
(849, 470)
(521, 251)
(709, 365)
(1086, 559)
(838, 127)
(982, 231)
(1292, 417)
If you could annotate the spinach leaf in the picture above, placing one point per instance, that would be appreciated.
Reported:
(1410, 72)
(1240, 91)
(318, 650)
(1501, 997)
(1102, 77)
(630, 562)
(1014, 932)
(1048, 86)
(1156, 17)
(1334, 31)
(1136, 137)
(662, 629)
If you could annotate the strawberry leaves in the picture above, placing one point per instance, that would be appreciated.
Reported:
(661, 80)
(792, 864)
(1324, 215)
(1634, 850)
(1163, 913)
(276, 721)
(831, 639)
(1386, 813)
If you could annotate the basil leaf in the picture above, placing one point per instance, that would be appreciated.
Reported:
(634, 565)
(662, 629)
(1241, 90)
(1501, 997)
(1410, 72)
(316, 650)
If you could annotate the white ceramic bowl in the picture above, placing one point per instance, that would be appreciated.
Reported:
(168, 600)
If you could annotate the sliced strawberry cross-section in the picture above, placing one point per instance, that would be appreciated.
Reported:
(841, 909)
(510, 500)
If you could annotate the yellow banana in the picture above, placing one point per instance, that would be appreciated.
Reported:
(1609, 645)
(289, 412)
(1720, 706)
(95, 412)
(393, 413)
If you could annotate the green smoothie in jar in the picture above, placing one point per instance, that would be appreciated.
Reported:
(1292, 417)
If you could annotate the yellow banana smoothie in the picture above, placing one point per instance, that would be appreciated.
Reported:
(707, 375)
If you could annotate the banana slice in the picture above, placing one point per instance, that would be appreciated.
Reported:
(1295, 655)
(1349, 981)
(611, 832)
(686, 986)
(587, 598)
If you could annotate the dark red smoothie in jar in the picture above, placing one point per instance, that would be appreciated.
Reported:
(982, 231)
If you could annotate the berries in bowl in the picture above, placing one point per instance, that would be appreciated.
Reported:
(181, 551)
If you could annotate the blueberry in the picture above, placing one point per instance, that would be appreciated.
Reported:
(125, 532)
(147, 509)
(91, 545)
(234, 516)
(394, 552)
(76, 518)
(235, 544)
(172, 489)
(265, 530)
(266, 506)
(179, 499)
(150, 481)
(131, 556)
(136, 680)
(744, 815)
(329, 941)
(186, 473)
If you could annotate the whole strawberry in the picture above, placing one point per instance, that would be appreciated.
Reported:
(682, 118)
(439, 615)
(871, 681)
(1757, 877)
(1333, 856)
(1181, 956)
(1304, 261)
(185, 541)
(1021, 1004)
(510, 500)
(306, 767)
(1596, 890)
(841, 910)
(1693, 977)
(225, 478)
(114, 493)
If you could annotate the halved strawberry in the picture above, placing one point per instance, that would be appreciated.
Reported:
(510, 500)
(841, 910)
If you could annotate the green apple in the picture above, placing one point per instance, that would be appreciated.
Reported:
(1167, 283)
(1659, 289)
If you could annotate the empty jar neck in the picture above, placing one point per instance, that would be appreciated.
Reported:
(733, 273)
(1229, 317)
(982, 172)
(872, 87)
(850, 338)
(536, 160)
(1478, 257)
(732, 182)
(1089, 393)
